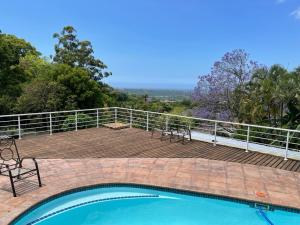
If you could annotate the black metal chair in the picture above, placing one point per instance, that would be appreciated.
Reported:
(175, 129)
(162, 128)
(181, 132)
(11, 165)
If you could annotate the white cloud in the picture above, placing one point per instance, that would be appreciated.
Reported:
(280, 1)
(296, 14)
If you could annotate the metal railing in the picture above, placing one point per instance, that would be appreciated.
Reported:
(278, 141)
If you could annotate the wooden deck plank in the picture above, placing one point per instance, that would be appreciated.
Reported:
(232, 156)
(280, 160)
(137, 143)
(296, 167)
(290, 167)
(282, 164)
(266, 161)
(239, 156)
(247, 157)
(287, 164)
(274, 161)
(256, 159)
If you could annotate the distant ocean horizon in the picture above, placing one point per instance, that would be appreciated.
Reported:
(152, 86)
(160, 93)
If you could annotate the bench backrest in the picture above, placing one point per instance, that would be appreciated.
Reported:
(9, 154)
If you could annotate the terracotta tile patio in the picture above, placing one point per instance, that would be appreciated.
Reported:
(201, 175)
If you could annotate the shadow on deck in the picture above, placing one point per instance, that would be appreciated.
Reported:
(137, 143)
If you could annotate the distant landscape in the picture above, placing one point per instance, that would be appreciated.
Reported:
(237, 88)
(161, 94)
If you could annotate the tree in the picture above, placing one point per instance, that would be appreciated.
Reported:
(34, 66)
(220, 92)
(59, 87)
(30, 83)
(81, 91)
(272, 98)
(75, 53)
(293, 99)
(12, 49)
(41, 96)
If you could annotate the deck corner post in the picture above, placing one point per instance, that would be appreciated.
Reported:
(147, 124)
(116, 115)
(76, 122)
(97, 118)
(167, 123)
(130, 119)
(19, 127)
(215, 134)
(50, 123)
(248, 136)
(287, 146)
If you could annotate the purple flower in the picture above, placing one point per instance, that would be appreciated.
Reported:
(218, 93)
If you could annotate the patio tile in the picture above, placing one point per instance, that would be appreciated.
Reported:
(176, 173)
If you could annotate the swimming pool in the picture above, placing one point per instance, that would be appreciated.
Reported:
(141, 205)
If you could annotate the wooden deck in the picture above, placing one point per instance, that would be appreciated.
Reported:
(136, 143)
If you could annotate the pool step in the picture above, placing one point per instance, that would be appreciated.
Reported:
(263, 206)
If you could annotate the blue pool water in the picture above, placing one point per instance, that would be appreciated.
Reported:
(125, 205)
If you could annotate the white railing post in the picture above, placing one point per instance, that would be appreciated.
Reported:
(76, 126)
(130, 119)
(50, 123)
(19, 127)
(248, 136)
(215, 140)
(97, 118)
(116, 115)
(147, 124)
(287, 146)
(167, 122)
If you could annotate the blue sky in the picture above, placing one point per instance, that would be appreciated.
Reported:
(160, 43)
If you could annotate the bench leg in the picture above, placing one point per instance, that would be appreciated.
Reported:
(12, 184)
(37, 172)
(171, 136)
(39, 178)
(162, 135)
(38, 175)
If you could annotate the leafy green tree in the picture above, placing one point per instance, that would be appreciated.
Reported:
(292, 97)
(42, 96)
(57, 87)
(29, 83)
(12, 49)
(272, 97)
(34, 66)
(75, 53)
(81, 91)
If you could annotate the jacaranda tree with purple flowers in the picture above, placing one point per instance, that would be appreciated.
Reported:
(219, 93)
